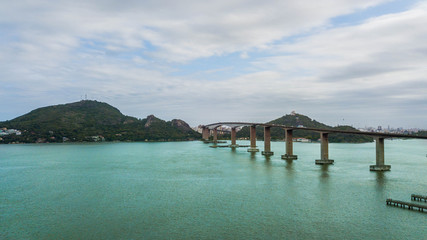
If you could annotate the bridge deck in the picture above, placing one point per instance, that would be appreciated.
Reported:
(373, 134)
(227, 146)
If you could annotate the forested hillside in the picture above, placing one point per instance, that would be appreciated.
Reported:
(92, 121)
(301, 120)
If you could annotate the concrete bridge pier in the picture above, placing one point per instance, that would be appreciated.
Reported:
(233, 138)
(267, 142)
(215, 135)
(205, 133)
(379, 166)
(289, 156)
(253, 139)
(324, 151)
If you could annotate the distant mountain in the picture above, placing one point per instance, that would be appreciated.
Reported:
(92, 121)
(301, 120)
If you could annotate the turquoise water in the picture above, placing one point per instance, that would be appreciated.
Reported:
(186, 190)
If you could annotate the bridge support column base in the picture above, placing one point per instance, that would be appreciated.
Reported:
(379, 168)
(324, 161)
(267, 153)
(234, 146)
(289, 157)
(253, 150)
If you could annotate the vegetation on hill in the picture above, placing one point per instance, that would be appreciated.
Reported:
(96, 121)
(421, 133)
(92, 121)
(301, 120)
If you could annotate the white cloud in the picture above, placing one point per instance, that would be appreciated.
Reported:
(126, 53)
(376, 67)
(182, 30)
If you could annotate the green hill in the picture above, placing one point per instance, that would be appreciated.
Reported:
(301, 120)
(92, 121)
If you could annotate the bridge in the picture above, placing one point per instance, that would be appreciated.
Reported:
(289, 155)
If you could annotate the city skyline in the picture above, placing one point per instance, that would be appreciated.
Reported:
(358, 63)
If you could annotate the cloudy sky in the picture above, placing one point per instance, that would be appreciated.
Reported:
(355, 62)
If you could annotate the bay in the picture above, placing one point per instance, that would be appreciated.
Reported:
(186, 190)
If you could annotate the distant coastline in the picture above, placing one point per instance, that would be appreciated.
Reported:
(93, 121)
